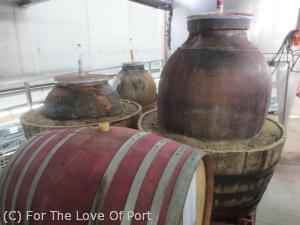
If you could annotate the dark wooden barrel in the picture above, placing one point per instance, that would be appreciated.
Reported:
(216, 85)
(83, 170)
(77, 97)
(242, 168)
(136, 84)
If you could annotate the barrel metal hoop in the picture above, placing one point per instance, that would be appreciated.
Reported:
(9, 170)
(163, 184)
(110, 172)
(244, 177)
(16, 158)
(229, 196)
(231, 209)
(139, 178)
(181, 188)
(43, 167)
(26, 168)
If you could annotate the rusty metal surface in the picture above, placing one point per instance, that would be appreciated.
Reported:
(82, 100)
(137, 84)
(215, 86)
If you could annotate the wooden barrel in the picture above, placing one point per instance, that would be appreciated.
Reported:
(34, 122)
(242, 169)
(83, 170)
(137, 84)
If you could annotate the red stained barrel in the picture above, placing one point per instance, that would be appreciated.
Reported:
(83, 170)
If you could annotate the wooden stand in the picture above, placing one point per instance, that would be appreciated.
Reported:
(35, 122)
(242, 168)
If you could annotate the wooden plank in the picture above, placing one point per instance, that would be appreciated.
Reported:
(201, 193)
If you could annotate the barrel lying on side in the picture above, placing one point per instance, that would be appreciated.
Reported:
(83, 170)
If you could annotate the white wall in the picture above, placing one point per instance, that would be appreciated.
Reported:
(43, 38)
(273, 19)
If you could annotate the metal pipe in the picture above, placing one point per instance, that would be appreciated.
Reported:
(165, 38)
(14, 91)
(150, 67)
(19, 106)
(20, 90)
(30, 78)
(28, 94)
(284, 119)
(159, 4)
(298, 22)
(29, 2)
(28, 89)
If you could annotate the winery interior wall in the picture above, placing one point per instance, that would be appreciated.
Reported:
(272, 20)
(45, 38)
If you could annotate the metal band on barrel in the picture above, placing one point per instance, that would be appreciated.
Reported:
(139, 178)
(17, 157)
(42, 168)
(25, 169)
(163, 184)
(181, 188)
(110, 172)
(9, 170)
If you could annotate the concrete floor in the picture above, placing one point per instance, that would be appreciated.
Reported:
(281, 202)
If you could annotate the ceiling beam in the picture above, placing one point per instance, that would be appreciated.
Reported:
(159, 4)
(29, 2)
